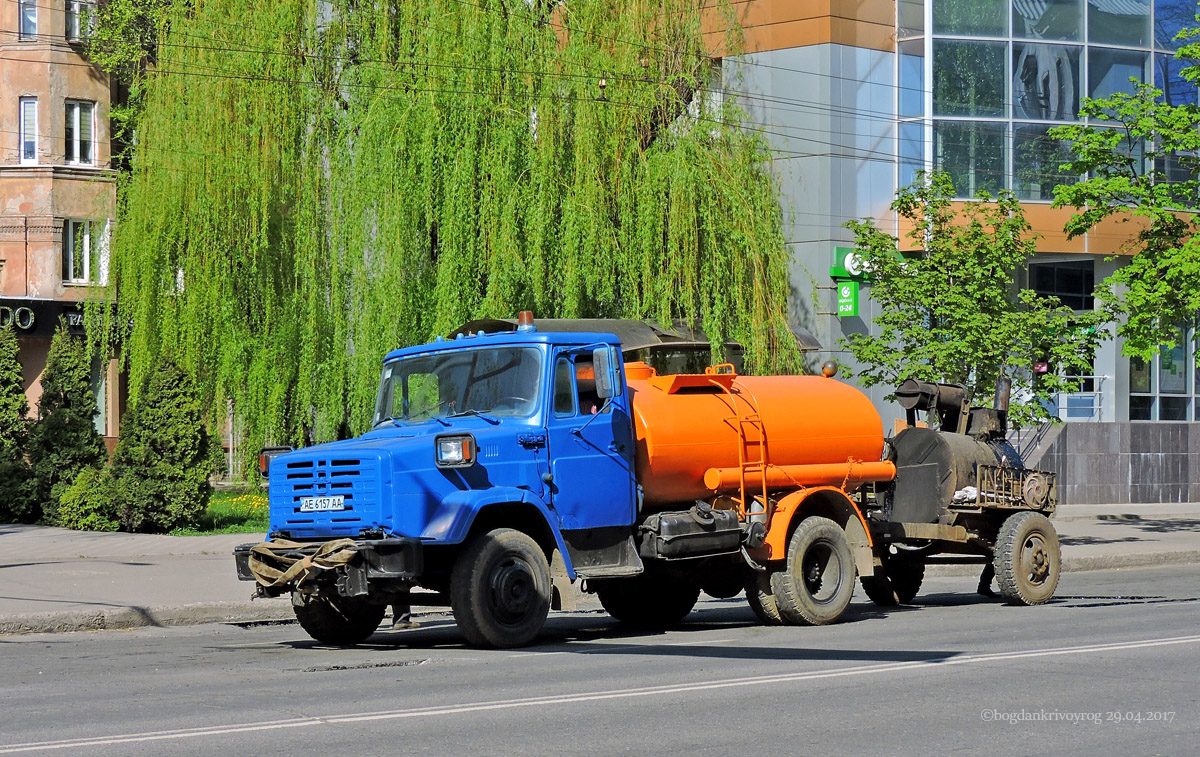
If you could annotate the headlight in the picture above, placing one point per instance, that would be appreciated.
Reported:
(456, 451)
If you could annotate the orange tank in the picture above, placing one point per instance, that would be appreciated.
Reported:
(817, 430)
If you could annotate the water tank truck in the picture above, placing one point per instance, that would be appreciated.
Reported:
(503, 467)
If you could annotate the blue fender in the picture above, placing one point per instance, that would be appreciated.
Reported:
(452, 521)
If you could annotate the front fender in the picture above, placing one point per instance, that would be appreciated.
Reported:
(456, 514)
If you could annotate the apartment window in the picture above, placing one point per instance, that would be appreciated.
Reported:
(28, 140)
(84, 256)
(80, 148)
(28, 12)
(79, 18)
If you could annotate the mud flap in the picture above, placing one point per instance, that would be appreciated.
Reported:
(562, 596)
(864, 557)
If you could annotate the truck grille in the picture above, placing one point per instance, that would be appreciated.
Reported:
(356, 480)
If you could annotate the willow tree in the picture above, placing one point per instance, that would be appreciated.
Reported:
(315, 183)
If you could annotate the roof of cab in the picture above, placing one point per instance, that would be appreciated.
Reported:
(504, 338)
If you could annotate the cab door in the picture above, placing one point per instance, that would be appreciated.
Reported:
(590, 445)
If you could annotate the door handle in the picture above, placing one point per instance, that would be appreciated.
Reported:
(616, 447)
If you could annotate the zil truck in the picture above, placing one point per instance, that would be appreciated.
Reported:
(503, 467)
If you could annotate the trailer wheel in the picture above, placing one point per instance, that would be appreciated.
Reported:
(648, 600)
(500, 589)
(1027, 559)
(341, 621)
(899, 584)
(816, 586)
(762, 601)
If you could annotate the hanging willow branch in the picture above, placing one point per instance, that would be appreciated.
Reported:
(316, 183)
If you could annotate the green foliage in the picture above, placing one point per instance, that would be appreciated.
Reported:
(64, 440)
(231, 512)
(951, 312)
(88, 503)
(315, 184)
(125, 34)
(16, 493)
(162, 463)
(1159, 288)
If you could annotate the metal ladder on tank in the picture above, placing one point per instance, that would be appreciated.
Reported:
(752, 421)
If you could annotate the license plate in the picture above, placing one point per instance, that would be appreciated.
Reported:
(322, 504)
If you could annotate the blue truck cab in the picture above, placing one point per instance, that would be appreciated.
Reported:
(492, 462)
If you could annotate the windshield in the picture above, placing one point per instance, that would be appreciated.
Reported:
(500, 381)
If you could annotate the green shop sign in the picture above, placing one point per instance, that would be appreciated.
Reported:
(847, 294)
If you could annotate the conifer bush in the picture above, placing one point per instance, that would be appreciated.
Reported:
(16, 490)
(64, 439)
(160, 469)
(87, 504)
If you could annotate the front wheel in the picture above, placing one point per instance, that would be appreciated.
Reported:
(816, 586)
(1027, 559)
(500, 589)
(341, 621)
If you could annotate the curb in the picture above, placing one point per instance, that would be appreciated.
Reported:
(280, 610)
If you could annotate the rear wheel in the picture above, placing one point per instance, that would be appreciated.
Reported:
(899, 584)
(648, 600)
(342, 621)
(816, 586)
(762, 600)
(1027, 559)
(500, 589)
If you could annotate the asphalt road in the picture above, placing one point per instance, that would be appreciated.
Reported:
(1109, 667)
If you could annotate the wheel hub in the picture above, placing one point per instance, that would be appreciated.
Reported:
(1036, 560)
(512, 590)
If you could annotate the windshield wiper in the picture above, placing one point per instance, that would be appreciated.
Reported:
(489, 418)
(423, 411)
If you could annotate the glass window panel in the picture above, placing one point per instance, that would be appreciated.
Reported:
(1036, 163)
(1119, 22)
(976, 18)
(1110, 70)
(1168, 77)
(28, 19)
(1172, 366)
(71, 118)
(910, 16)
(1141, 378)
(968, 78)
(1048, 19)
(1173, 408)
(912, 79)
(1045, 81)
(85, 132)
(972, 153)
(28, 130)
(912, 151)
(1169, 17)
(564, 388)
(1141, 408)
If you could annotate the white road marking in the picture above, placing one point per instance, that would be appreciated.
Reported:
(507, 704)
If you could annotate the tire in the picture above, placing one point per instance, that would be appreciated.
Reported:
(815, 587)
(340, 621)
(648, 600)
(500, 589)
(1027, 559)
(726, 583)
(762, 601)
(899, 584)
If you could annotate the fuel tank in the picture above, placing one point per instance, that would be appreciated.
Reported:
(817, 431)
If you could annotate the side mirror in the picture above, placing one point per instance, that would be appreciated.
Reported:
(605, 362)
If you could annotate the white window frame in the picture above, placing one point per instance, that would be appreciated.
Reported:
(30, 104)
(26, 32)
(72, 112)
(75, 28)
(88, 227)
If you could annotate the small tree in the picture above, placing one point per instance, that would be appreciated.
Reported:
(16, 494)
(952, 312)
(162, 463)
(64, 440)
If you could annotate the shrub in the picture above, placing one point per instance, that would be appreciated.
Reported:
(162, 463)
(87, 504)
(64, 440)
(16, 494)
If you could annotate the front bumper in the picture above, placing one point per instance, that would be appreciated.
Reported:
(376, 560)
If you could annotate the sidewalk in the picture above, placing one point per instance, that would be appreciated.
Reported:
(59, 580)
